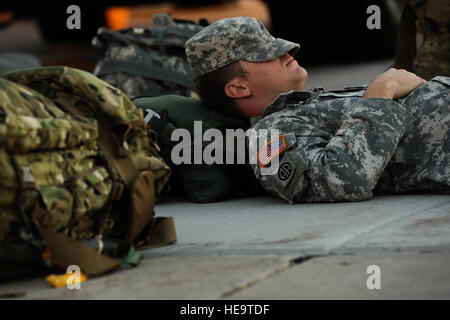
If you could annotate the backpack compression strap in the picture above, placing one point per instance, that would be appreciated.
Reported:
(124, 165)
(67, 251)
(146, 71)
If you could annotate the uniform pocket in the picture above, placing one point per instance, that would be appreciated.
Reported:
(442, 79)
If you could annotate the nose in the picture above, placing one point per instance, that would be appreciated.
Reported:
(285, 58)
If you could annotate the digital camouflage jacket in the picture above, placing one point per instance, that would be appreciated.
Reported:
(339, 146)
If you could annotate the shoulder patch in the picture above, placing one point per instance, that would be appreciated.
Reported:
(285, 171)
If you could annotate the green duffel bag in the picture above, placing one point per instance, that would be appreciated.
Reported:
(202, 182)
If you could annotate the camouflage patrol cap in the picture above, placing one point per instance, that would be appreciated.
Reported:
(232, 39)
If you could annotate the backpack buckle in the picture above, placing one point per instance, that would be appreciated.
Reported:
(151, 114)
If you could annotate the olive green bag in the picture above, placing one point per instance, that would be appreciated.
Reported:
(79, 172)
(202, 182)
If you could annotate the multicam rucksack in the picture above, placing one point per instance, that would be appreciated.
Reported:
(78, 171)
(147, 61)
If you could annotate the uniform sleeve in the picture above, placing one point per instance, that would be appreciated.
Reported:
(344, 165)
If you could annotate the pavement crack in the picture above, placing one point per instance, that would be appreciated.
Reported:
(302, 259)
(264, 276)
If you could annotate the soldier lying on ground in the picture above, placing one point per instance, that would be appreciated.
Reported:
(391, 136)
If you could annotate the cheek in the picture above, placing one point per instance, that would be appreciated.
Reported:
(275, 76)
(268, 78)
(264, 80)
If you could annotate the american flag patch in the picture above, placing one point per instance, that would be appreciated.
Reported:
(270, 151)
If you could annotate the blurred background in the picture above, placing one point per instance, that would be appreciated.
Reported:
(337, 48)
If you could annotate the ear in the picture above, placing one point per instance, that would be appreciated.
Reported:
(236, 88)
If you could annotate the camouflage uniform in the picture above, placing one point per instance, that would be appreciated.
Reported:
(337, 146)
(342, 147)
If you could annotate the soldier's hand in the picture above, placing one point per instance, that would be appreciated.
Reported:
(393, 84)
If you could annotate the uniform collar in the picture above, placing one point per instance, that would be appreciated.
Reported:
(285, 100)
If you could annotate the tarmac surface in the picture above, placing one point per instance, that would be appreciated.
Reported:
(262, 248)
(390, 247)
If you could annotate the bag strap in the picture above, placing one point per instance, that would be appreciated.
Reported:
(123, 164)
(162, 233)
(161, 36)
(146, 71)
(106, 141)
(163, 128)
(67, 251)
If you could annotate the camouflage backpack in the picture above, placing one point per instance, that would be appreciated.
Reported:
(78, 171)
(147, 61)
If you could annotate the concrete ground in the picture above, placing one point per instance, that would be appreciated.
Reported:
(261, 248)
(391, 247)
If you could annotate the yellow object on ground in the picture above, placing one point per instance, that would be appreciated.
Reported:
(59, 281)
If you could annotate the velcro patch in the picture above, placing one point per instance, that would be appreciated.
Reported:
(270, 151)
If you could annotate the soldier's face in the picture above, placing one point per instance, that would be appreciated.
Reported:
(276, 76)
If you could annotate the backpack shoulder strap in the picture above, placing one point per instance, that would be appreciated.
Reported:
(124, 165)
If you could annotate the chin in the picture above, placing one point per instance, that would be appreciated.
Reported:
(302, 79)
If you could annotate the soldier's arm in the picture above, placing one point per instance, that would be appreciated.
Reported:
(346, 165)
(393, 84)
(349, 165)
